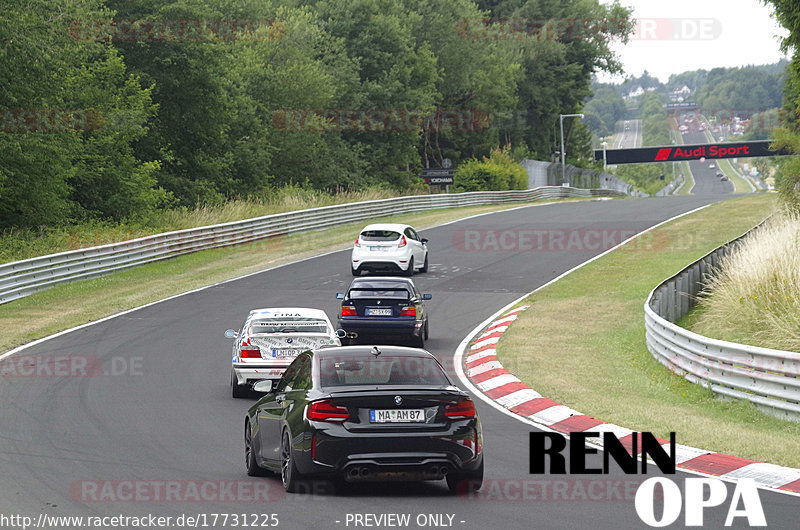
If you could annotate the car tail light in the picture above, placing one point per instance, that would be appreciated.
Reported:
(326, 411)
(349, 311)
(250, 352)
(409, 311)
(402, 242)
(462, 410)
(358, 243)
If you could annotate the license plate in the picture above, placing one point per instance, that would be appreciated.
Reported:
(397, 416)
(379, 312)
(378, 249)
(284, 352)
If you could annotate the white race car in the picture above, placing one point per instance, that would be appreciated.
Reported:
(389, 248)
(269, 341)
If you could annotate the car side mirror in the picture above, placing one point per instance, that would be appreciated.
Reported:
(340, 296)
(427, 296)
(263, 386)
(424, 240)
(231, 334)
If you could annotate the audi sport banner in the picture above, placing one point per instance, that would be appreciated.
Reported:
(678, 153)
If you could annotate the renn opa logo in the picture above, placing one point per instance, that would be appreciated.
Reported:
(632, 458)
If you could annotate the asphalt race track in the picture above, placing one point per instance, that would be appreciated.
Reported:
(171, 416)
(706, 182)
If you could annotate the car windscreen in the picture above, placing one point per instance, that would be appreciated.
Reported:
(379, 235)
(369, 370)
(373, 292)
(289, 325)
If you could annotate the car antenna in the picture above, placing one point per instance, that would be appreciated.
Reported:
(375, 351)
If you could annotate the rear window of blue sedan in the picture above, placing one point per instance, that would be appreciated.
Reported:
(369, 292)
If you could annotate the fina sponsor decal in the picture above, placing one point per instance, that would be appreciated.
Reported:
(631, 456)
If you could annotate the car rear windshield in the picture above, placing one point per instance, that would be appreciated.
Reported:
(372, 292)
(379, 235)
(289, 325)
(369, 370)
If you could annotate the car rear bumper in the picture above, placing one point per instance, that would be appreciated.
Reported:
(248, 374)
(371, 458)
(376, 328)
(381, 265)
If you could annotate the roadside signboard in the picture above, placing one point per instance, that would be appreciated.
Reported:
(679, 153)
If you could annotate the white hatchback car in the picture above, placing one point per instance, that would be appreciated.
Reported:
(389, 248)
(269, 341)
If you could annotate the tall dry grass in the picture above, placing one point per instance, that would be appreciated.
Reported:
(754, 296)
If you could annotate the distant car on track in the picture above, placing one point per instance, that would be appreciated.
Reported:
(384, 308)
(269, 341)
(365, 414)
(389, 248)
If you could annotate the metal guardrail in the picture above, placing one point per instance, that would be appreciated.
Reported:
(22, 278)
(769, 379)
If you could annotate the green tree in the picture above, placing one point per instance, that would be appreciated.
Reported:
(49, 177)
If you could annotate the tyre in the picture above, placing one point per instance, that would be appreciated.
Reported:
(356, 272)
(427, 330)
(410, 271)
(465, 481)
(238, 391)
(418, 342)
(253, 469)
(425, 265)
(290, 476)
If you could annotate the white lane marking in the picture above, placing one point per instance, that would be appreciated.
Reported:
(485, 367)
(684, 453)
(769, 474)
(519, 397)
(498, 381)
(480, 355)
(554, 414)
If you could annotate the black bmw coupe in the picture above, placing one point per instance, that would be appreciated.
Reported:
(365, 413)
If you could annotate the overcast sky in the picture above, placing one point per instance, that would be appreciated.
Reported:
(678, 35)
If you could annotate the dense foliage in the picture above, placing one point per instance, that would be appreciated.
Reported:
(194, 115)
(497, 172)
(788, 178)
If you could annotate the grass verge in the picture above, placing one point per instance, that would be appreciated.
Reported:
(22, 244)
(582, 343)
(69, 305)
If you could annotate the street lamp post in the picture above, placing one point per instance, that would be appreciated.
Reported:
(563, 154)
(605, 163)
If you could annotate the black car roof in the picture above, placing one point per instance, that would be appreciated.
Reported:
(395, 351)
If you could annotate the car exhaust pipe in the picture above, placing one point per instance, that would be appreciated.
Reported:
(353, 472)
(444, 470)
(364, 471)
